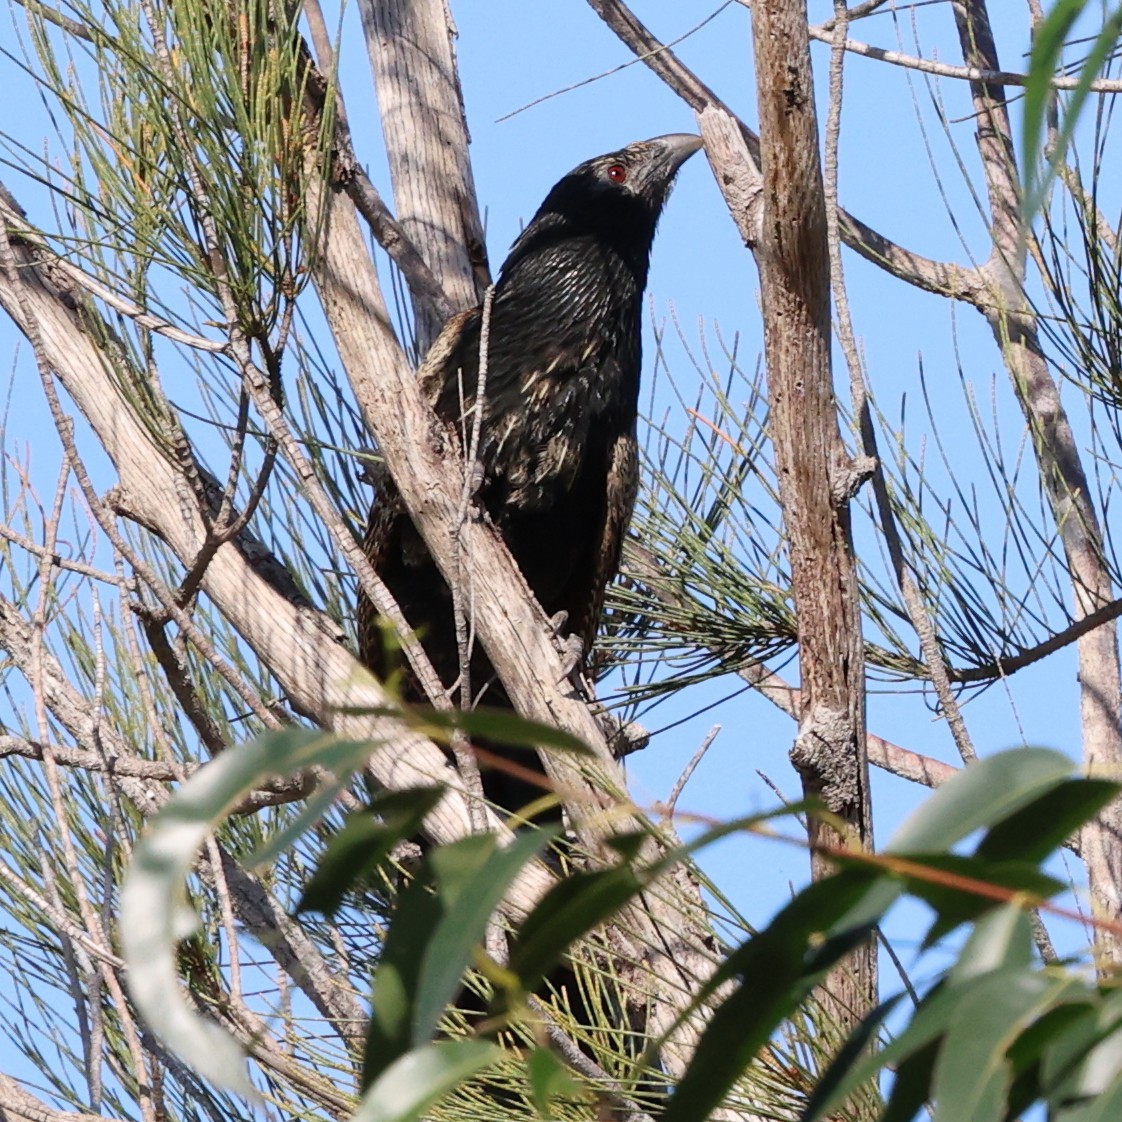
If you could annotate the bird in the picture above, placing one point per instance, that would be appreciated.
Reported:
(557, 455)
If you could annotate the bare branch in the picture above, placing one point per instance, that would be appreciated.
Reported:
(824, 34)
(387, 231)
(917, 611)
(19, 1105)
(410, 47)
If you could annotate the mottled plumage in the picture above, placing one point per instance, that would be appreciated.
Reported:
(558, 449)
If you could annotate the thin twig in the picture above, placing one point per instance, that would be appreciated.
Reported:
(891, 757)
(74, 463)
(690, 768)
(22, 230)
(615, 69)
(466, 759)
(961, 73)
(52, 15)
(933, 276)
(387, 231)
(57, 560)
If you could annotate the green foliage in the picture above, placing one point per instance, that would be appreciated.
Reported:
(421, 1077)
(990, 1038)
(439, 921)
(996, 1033)
(363, 844)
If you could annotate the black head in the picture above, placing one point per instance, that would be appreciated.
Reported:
(639, 175)
(616, 198)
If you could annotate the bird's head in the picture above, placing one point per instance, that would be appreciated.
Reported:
(636, 177)
(617, 197)
(644, 170)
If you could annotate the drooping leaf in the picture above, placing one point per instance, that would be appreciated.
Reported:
(955, 905)
(826, 1088)
(1047, 50)
(922, 1033)
(1027, 1051)
(979, 796)
(1039, 827)
(1001, 939)
(154, 914)
(570, 909)
(1084, 1063)
(439, 920)
(912, 1086)
(364, 842)
(469, 891)
(776, 971)
(407, 1088)
(973, 1074)
(397, 980)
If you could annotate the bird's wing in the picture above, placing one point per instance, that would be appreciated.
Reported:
(621, 483)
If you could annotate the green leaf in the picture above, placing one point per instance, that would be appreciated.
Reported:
(1000, 940)
(154, 914)
(1038, 828)
(364, 842)
(414, 1082)
(570, 909)
(440, 919)
(397, 979)
(469, 890)
(979, 796)
(1087, 1059)
(1047, 48)
(954, 905)
(1049, 41)
(973, 1074)
(1106, 1108)
(301, 749)
(1027, 1051)
(912, 1086)
(549, 1079)
(583, 900)
(854, 1049)
(921, 1035)
(777, 970)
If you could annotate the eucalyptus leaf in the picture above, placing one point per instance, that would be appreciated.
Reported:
(1039, 827)
(153, 915)
(774, 976)
(365, 841)
(469, 892)
(409, 1087)
(973, 1073)
(980, 796)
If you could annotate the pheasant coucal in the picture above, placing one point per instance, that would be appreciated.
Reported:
(558, 444)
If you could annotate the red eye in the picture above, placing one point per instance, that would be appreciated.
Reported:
(617, 173)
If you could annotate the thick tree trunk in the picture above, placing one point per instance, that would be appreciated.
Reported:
(816, 478)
